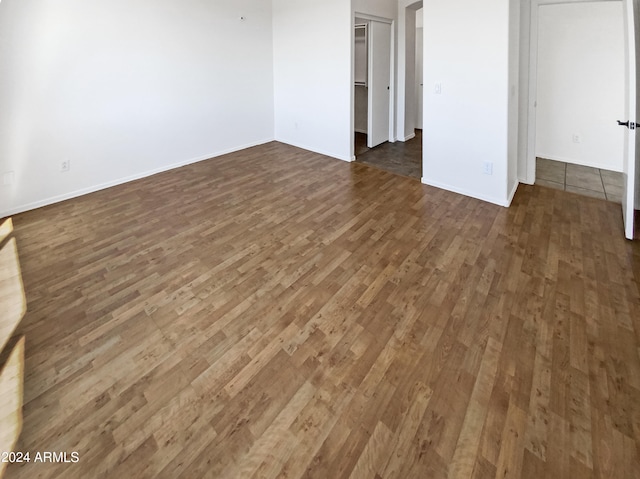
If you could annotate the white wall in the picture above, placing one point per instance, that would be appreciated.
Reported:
(524, 173)
(581, 83)
(419, 87)
(312, 44)
(466, 50)
(386, 9)
(380, 8)
(122, 89)
(361, 93)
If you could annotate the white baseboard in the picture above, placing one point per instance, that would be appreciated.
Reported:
(316, 150)
(361, 131)
(601, 166)
(524, 181)
(410, 137)
(512, 193)
(471, 194)
(92, 189)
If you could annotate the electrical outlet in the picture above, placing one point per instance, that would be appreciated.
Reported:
(487, 168)
(438, 89)
(576, 138)
(65, 166)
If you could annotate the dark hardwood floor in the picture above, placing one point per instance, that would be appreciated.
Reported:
(401, 158)
(360, 145)
(277, 313)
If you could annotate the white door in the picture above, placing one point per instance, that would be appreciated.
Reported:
(630, 130)
(419, 76)
(379, 83)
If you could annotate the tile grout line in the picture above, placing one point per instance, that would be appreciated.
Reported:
(604, 188)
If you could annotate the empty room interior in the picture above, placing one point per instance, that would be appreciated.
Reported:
(328, 239)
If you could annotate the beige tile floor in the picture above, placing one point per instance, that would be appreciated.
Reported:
(583, 180)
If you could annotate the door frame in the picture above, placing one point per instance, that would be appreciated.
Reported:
(406, 63)
(530, 159)
(529, 176)
(392, 79)
(419, 120)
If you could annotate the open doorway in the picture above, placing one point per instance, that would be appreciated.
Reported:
(361, 94)
(373, 82)
(581, 80)
(580, 85)
(403, 157)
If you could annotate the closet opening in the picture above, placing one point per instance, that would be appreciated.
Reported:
(374, 138)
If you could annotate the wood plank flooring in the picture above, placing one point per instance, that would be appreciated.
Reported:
(276, 313)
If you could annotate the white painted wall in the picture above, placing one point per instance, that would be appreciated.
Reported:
(313, 75)
(380, 8)
(361, 93)
(419, 84)
(123, 89)
(466, 50)
(523, 172)
(581, 83)
(386, 9)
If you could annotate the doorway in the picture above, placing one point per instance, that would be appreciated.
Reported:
(419, 69)
(410, 104)
(410, 17)
(382, 150)
(580, 55)
(401, 157)
(572, 121)
(373, 82)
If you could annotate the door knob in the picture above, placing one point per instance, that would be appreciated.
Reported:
(629, 124)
